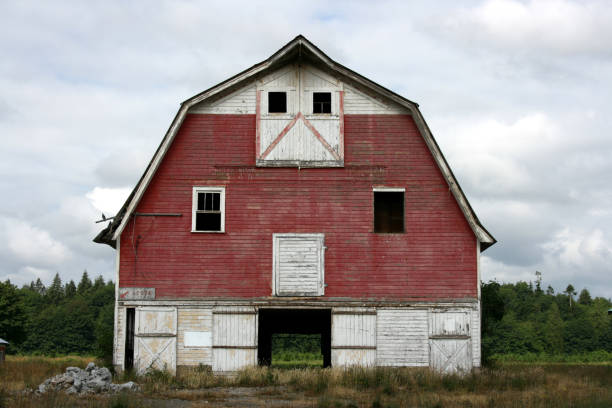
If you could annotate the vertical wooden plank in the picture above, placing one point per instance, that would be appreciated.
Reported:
(401, 337)
(258, 125)
(341, 130)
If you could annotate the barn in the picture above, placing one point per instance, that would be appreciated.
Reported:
(297, 197)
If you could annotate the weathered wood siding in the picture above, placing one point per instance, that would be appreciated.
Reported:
(119, 339)
(450, 342)
(195, 323)
(353, 337)
(475, 327)
(155, 339)
(238, 102)
(234, 338)
(434, 260)
(401, 337)
(299, 264)
(359, 103)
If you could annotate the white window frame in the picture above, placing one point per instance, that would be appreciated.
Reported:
(194, 206)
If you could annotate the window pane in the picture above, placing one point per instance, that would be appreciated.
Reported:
(277, 102)
(388, 211)
(321, 102)
(208, 222)
(216, 199)
(201, 197)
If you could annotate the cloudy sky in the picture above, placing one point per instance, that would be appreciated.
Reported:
(518, 95)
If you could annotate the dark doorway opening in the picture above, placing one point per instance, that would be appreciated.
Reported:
(293, 321)
(129, 338)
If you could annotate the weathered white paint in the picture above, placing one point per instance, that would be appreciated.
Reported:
(298, 264)
(194, 340)
(246, 77)
(155, 339)
(450, 355)
(119, 340)
(475, 335)
(136, 293)
(450, 323)
(359, 103)
(241, 102)
(298, 134)
(194, 205)
(401, 337)
(450, 339)
(234, 338)
(353, 338)
(198, 339)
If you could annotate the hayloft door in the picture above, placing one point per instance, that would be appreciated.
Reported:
(298, 264)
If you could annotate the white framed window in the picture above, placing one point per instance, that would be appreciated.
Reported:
(208, 209)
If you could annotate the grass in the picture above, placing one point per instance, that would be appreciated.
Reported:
(506, 385)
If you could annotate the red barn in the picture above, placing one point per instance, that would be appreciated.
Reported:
(297, 197)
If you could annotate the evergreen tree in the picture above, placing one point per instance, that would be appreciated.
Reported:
(12, 314)
(39, 287)
(70, 290)
(98, 283)
(585, 297)
(550, 291)
(55, 293)
(84, 284)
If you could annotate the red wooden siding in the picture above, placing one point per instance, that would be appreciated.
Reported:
(434, 259)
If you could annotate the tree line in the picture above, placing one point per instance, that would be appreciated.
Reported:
(59, 319)
(520, 318)
(517, 318)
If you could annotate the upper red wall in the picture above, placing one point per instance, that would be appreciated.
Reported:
(434, 259)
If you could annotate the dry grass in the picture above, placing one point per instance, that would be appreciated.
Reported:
(508, 385)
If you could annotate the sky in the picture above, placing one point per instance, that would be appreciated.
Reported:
(517, 94)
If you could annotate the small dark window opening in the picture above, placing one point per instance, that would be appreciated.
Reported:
(208, 213)
(388, 211)
(321, 102)
(277, 102)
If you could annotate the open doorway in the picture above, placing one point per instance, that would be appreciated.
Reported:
(297, 326)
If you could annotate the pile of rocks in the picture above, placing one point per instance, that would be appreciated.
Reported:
(91, 380)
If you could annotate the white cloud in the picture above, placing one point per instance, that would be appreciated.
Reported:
(32, 244)
(108, 200)
(560, 26)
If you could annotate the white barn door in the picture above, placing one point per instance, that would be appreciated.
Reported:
(234, 338)
(353, 339)
(299, 264)
(155, 339)
(450, 347)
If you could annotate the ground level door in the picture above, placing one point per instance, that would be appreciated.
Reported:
(293, 321)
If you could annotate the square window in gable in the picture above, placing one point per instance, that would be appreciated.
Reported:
(321, 102)
(388, 211)
(277, 102)
(208, 209)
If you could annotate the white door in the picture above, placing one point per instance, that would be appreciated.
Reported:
(155, 339)
(234, 338)
(299, 264)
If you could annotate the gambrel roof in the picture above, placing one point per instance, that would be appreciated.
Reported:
(302, 50)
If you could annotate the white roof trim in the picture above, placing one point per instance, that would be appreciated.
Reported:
(481, 233)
